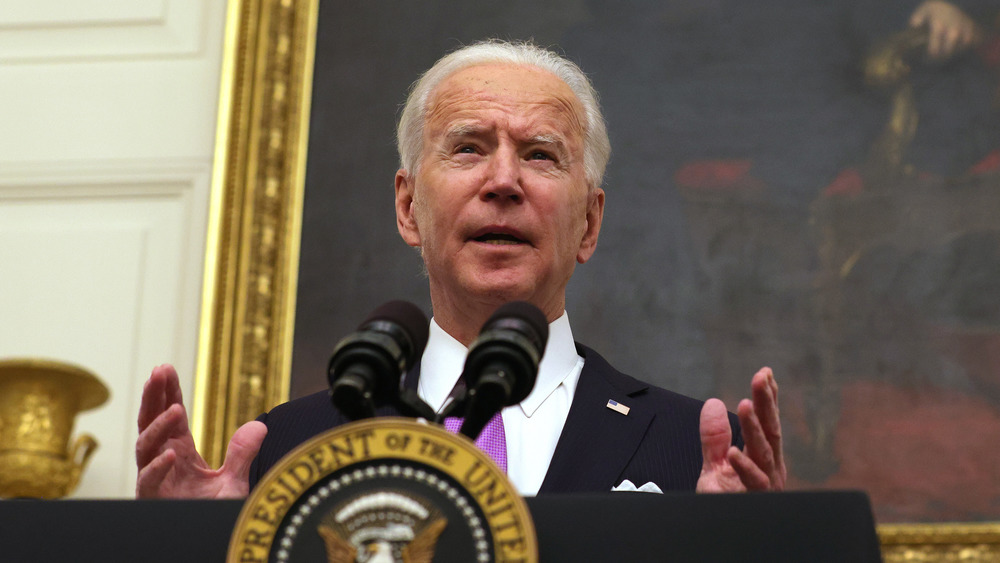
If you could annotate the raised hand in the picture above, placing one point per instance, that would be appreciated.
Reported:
(761, 465)
(169, 464)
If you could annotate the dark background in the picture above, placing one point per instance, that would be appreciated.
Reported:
(747, 221)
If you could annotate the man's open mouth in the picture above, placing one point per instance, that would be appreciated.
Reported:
(499, 239)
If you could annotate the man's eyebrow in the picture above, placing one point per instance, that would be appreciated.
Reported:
(464, 130)
(474, 130)
(546, 139)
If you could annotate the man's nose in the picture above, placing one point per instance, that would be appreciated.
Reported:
(503, 179)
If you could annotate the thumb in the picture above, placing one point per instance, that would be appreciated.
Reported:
(243, 448)
(716, 435)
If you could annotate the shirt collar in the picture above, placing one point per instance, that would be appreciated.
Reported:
(440, 366)
(444, 358)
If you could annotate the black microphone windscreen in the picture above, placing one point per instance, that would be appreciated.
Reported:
(365, 369)
(502, 364)
(526, 312)
(408, 316)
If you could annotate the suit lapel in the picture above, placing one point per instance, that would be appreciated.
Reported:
(412, 377)
(596, 442)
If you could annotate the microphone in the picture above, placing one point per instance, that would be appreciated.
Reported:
(502, 364)
(366, 366)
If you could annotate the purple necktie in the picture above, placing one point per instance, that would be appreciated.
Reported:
(491, 440)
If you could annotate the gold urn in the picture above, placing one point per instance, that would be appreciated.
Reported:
(39, 400)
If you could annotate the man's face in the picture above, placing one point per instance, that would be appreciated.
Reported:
(500, 206)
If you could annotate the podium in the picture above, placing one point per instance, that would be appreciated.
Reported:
(773, 527)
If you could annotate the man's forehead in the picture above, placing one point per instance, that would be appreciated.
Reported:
(530, 89)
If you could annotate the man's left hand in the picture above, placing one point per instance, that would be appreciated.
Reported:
(761, 464)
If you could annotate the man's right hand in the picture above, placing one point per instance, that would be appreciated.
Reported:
(169, 464)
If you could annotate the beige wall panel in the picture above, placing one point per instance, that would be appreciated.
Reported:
(122, 110)
(109, 112)
(131, 106)
(106, 281)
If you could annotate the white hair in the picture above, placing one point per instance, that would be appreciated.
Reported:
(410, 131)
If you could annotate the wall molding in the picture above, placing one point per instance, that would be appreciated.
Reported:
(98, 177)
(95, 31)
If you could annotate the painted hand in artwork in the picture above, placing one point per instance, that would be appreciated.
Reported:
(950, 29)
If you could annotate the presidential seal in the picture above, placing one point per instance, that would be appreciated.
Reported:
(385, 490)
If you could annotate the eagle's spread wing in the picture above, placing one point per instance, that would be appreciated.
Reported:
(337, 550)
(421, 549)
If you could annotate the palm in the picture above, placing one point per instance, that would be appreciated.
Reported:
(719, 478)
(169, 464)
(191, 476)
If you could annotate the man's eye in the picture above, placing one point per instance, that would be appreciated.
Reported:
(466, 149)
(539, 155)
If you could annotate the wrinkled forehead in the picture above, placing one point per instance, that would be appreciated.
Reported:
(526, 90)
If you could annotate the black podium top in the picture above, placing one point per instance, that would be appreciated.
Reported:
(772, 527)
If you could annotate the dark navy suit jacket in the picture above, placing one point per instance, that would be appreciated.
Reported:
(657, 441)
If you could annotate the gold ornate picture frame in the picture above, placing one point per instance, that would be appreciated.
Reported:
(248, 307)
(251, 266)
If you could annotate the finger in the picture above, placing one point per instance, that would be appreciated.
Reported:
(919, 17)
(151, 404)
(757, 448)
(161, 390)
(950, 40)
(173, 385)
(765, 404)
(716, 434)
(935, 41)
(171, 423)
(752, 477)
(962, 35)
(243, 448)
(967, 37)
(151, 477)
(764, 390)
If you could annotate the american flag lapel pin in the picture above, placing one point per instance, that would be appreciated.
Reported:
(617, 407)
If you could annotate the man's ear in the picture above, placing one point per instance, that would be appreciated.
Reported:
(406, 222)
(595, 214)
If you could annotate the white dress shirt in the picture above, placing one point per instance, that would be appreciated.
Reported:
(532, 428)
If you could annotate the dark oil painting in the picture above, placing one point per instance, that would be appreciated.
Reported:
(809, 185)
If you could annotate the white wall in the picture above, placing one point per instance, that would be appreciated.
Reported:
(107, 124)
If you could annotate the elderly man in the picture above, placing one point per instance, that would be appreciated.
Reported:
(503, 148)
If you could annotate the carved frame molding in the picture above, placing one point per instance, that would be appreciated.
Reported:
(244, 357)
(251, 264)
(968, 543)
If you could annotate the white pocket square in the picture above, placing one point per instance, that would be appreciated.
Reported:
(629, 486)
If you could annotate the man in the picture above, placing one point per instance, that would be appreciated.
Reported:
(503, 148)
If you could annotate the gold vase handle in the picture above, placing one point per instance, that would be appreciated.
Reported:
(79, 455)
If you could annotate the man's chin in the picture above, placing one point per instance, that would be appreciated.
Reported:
(501, 289)
(481, 284)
